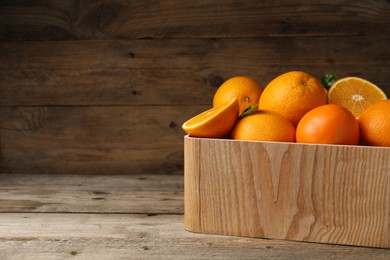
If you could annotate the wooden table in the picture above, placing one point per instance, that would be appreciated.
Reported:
(126, 216)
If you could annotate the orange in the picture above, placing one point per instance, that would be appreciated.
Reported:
(264, 125)
(216, 122)
(355, 94)
(328, 124)
(293, 94)
(374, 123)
(246, 90)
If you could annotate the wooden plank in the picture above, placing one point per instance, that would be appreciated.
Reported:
(120, 139)
(192, 175)
(120, 236)
(64, 20)
(315, 193)
(141, 193)
(174, 72)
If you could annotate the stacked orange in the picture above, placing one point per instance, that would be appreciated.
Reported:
(295, 107)
(369, 105)
(374, 123)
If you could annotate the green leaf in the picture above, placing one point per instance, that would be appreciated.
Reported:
(328, 80)
(248, 111)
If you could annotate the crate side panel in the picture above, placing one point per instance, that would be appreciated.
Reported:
(315, 193)
(192, 162)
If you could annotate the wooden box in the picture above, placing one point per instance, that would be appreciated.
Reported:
(316, 193)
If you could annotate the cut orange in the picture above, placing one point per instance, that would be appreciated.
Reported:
(216, 122)
(355, 94)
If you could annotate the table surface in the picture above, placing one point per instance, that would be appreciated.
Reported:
(46, 216)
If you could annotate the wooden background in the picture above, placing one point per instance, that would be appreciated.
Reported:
(104, 86)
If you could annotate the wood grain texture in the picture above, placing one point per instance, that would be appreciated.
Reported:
(139, 236)
(65, 20)
(192, 217)
(71, 224)
(114, 194)
(66, 56)
(173, 72)
(124, 140)
(317, 193)
(102, 87)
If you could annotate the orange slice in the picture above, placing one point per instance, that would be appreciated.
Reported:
(216, 122)
(355, 94)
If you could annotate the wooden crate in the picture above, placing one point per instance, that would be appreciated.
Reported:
(315, 193)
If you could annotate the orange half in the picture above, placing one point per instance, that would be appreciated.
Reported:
(355, 94)
(216, 122)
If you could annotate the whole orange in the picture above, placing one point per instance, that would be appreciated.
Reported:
(264, 125)
(293, 94)
(246, 90)
(328, 124)
(374, 123)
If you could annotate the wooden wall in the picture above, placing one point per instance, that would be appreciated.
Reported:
(104, 86)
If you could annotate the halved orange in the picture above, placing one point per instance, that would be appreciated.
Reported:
(355, 94)
(216, 122)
